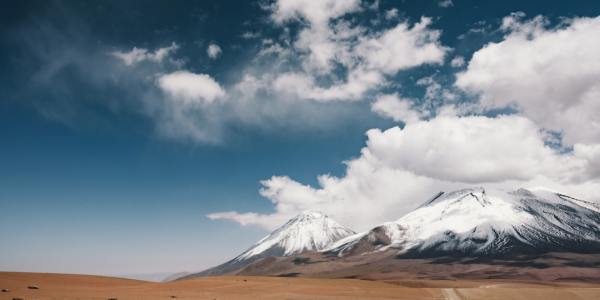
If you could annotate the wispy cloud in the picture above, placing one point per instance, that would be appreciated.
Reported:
(137, 55)
(445, 3)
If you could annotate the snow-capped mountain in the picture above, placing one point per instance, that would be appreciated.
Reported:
(308, 231)
(471, 222)
(463, 223)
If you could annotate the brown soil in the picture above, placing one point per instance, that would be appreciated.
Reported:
(67, 287)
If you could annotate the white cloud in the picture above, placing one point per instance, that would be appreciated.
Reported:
(589, 156)
(402, 47)
(298, 64)
(445, 3)
(197, 109)
(549, 74)
(391, 14)
(469, 149)
(368, 194)
(457, 62)
(392, 106)
(185, 110)
(438, 99)
(248, 218)
(301, 85)
(514, 21)
(317, 13)
(249, 86)
(137, 55)
(190, 88)
(213, 51)
(293, 83)
(401, 168)
(327, 42)
(367, 61)
(317, 38)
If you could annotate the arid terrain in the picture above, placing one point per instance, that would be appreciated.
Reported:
(59, 286)
(385, 266)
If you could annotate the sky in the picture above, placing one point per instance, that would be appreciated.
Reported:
(143, 138)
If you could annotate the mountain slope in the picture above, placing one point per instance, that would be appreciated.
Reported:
(471, 223)
(309, 231)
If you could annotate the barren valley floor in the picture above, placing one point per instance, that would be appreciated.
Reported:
(60, 286)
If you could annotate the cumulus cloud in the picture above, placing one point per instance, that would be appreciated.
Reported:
(317, 38)
(302, 85)
(589, 156)
(401, 168)
(368, 61)
(213, 51)
(393, 107)
(402, 47)
(318, 13)
(327, 43)
(549, 74)
(378, 192)
(469, 149)
(137, 55)
(191, 88)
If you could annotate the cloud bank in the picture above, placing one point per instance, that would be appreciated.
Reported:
(401, 168)
(548, 76)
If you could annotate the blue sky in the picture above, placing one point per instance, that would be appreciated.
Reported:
(121, 162)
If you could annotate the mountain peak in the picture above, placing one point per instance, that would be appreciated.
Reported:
(310, 214)
(308, 231)
(462, 195)
(467, 222)
(471, 222)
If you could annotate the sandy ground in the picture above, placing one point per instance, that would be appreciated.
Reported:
(58, 286)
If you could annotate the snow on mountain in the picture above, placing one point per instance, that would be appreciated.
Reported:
(468, 222)
(471, 222)
(309, 231)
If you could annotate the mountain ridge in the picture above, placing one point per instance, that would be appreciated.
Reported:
(469, 222)
(463, 223)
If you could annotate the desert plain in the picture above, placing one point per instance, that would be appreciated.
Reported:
(68, 286)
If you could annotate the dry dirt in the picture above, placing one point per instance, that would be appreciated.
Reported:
(60, 286)
(384, 266)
